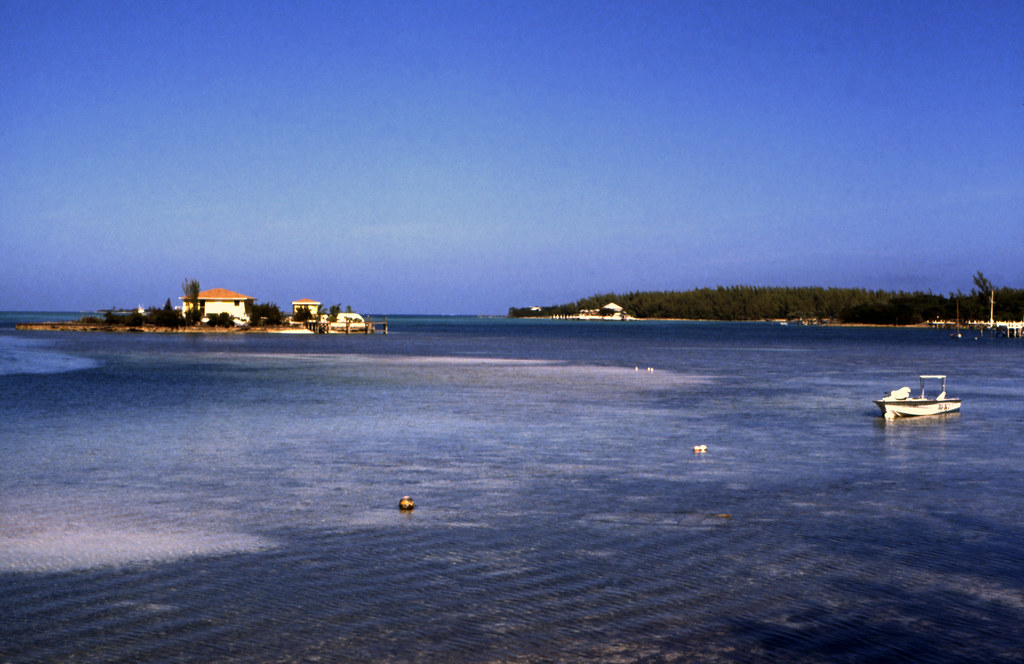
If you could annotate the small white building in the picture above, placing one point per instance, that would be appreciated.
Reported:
(312, 305)
(610, 311)
(349, 322)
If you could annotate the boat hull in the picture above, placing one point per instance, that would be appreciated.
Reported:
(917, 407)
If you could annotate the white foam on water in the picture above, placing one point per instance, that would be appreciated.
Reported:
(56, 540)
(542, 367)
(24, 356)
(98, 546)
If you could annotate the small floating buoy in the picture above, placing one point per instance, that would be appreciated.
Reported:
(700, 449)
(406, 504)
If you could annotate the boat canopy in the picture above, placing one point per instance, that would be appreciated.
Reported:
(942, 384)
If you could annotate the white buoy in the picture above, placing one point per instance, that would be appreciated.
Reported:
(700, 449)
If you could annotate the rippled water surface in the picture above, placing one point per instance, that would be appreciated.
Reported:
(233, 498)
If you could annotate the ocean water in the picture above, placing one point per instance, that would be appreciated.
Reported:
(233, 498)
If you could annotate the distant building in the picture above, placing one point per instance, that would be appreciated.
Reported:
(216, 301)
(610, 311)
(312, 305)
(349, 322)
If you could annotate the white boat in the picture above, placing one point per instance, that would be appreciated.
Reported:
(899, 403)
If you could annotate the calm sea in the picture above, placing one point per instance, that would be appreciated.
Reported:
(233, 498)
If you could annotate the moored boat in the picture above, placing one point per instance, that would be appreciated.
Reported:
(899, 403)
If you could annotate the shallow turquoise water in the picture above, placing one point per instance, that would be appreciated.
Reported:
(234, 498)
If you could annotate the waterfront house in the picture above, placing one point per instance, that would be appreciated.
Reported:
(221, 300)
(349, 322)
(312, 305)
(610, 311)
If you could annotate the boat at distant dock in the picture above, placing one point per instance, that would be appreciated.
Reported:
(899, 403)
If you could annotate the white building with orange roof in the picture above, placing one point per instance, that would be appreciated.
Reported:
(221, 300)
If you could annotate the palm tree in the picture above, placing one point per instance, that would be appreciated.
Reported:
(191, 290)
(986, 290)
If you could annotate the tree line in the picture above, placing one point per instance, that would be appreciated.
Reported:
(840, 305)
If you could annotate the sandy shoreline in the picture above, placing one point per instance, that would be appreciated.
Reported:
(77, 326)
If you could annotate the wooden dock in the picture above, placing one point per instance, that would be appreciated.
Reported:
(1004, 329)
(347, 327)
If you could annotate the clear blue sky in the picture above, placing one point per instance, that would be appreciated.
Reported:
(465, 157)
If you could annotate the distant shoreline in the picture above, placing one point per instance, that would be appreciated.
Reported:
(78, 326)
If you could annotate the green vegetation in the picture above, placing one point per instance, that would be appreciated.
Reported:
(223, 319)
(191, 290)
(266, 314)
(170, 318)
(840, 305)
(167, 316)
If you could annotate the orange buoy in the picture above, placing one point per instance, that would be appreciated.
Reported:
(406, 504)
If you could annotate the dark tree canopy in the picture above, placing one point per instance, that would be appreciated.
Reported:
(841, 305)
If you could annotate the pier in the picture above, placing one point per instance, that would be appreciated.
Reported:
(1009, 330)
(347, 326)
(1005, 329)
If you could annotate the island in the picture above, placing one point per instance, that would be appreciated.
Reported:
(984, 306)
(220, 310)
